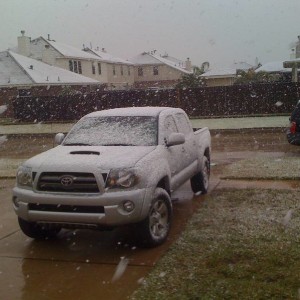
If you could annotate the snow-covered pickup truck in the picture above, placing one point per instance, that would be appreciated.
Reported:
(115, 167)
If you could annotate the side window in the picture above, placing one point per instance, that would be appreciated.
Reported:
(140, 71)
(170, 125)
(183, 124)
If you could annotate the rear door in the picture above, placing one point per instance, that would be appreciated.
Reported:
(189, 148)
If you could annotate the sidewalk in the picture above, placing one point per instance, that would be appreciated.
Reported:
(240, 123)
(38, 128)
(221, 123)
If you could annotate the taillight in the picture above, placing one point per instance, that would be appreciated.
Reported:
(293, 127)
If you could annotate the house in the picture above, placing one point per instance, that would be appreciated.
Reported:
(143, 71)
(119, 72)
(25, 76)
(277, 70)
(95, 64)
(294, 62)
(19, 70)
(225, 76)
(153, 70)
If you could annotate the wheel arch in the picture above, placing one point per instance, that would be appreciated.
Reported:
(164, 183)
(207, 153)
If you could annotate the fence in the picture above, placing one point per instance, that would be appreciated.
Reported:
(239, 100)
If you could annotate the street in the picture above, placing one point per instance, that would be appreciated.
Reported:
(80, 264)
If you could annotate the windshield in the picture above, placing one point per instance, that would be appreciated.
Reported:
(114, 131)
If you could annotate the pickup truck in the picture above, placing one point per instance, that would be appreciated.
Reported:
(115, 167)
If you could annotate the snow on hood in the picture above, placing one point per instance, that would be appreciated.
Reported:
(60, 158)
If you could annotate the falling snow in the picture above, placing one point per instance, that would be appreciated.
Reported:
(3, 108)
(121, 268)
(3, 139)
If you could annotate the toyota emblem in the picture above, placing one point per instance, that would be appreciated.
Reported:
(66, 181)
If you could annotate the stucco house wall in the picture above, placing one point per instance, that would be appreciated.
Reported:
(164, 73)
(225, 81)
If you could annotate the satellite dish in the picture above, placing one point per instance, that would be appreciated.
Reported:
(205, 66)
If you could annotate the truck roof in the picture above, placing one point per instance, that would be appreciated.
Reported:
(130, 111)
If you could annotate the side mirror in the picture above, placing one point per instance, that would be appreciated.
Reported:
(175, 139)
(59, 137)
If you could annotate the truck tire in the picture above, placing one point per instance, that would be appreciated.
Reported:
(200, 181)
(154, 230)
(36, 231)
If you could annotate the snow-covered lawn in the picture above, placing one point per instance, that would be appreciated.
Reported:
(8, 167)
(240, 244)
(264, 168)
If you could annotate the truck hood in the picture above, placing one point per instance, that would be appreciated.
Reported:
(88, 158)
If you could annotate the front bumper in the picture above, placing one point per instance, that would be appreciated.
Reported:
(112, 213)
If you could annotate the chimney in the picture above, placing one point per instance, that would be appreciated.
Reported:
(24, 44)
(188, 65)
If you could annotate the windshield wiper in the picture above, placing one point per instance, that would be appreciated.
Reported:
(76, 144)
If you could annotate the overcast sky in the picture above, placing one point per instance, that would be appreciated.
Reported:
(218, 31)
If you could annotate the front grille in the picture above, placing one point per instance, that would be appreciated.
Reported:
(68, 182)
(66, 208)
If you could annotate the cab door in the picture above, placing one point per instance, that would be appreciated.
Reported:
(189, 148)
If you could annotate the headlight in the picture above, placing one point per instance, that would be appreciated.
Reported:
(122, 178)
(24, 176)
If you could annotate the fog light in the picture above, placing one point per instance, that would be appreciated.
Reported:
(16, 201)
(128, 206)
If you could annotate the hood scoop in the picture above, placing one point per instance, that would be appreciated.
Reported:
(86, 152)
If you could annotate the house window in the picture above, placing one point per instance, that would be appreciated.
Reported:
(140, 71)
(75, 66)
(122, 73)
(114, 70)
(99, 68)
(93, 68)
(71, 66)
(155, 70)
(128, 71)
